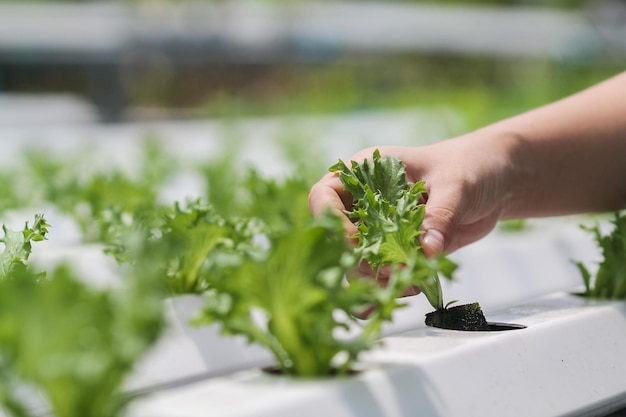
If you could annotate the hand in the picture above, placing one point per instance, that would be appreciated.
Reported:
(467, 179)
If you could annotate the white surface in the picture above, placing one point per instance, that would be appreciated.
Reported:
(186, 352)
(507, 268)
(568, 361)
(332, 137)
(394, 26)
(44, 109)
(63, 231)
(87, 28)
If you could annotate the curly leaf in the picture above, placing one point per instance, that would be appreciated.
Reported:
(18, 246)
(388, 218)
(609, 280)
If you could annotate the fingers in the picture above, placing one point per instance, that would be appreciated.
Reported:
(441, 206)
(440, 222)
(364, 271)
(411, 291)
(454, 219)
(328, 193)
(382, 277)
(433, 242)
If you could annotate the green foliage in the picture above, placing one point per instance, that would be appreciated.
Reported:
(100, 202)
(233, 187)
(514, 225)
(609, 280)
(295, 301)
(192, 234)
(478, 90)
(65, 342)
(18, 246)
(199, 243)
(223, 174)
(73, 344)
(388, 217)
(280, 204)
(187, 244)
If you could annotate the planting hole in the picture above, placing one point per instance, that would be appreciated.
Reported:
(466, 318)
(275, 370)
(498, 327)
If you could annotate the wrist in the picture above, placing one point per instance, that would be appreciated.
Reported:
(514, 171)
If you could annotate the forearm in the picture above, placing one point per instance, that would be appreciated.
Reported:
(569, 156)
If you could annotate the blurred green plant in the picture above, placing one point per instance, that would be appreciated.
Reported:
(18, 247)
(189, 243)
(72, 344)
(513, 225)
(295, 302)
(100, 202)
(65, 347)
(609, 280)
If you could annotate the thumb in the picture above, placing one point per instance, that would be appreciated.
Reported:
(432, 242)
(439, 225)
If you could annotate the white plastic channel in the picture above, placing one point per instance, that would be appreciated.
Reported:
(568, 361)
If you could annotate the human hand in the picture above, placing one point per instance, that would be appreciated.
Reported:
(467, 179)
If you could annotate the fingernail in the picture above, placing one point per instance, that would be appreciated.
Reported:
(432, 242)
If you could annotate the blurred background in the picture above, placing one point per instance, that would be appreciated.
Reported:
(113, 110)
(126, 61)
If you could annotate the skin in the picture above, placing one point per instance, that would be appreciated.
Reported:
(563, 158)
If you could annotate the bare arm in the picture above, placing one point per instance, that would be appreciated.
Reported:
(572, 155)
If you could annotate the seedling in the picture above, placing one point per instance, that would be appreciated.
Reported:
(609, 280)
(18, 246)
(66, 348)
(388, 216)
(187, 244)
(295, 301)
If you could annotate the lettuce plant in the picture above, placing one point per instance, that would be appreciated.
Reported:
(609, 280)
(18, 246)
(187, 244)
(96, 200)
(388, 216)
(295, 301)
(65, 347)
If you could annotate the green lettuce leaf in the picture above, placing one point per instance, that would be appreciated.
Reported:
(295, 289)
(18, 245)
(388, 217)
(609, 280)
(71, 344)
